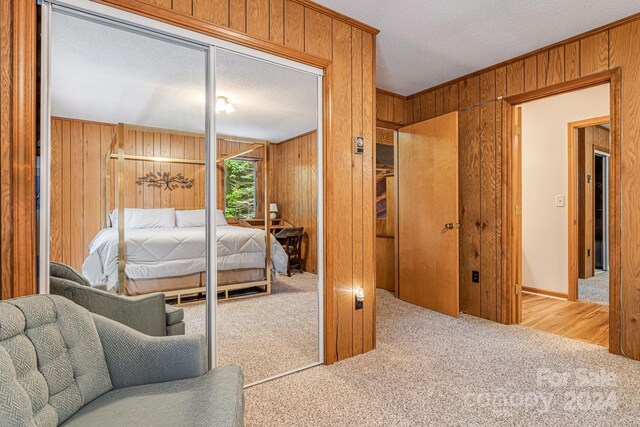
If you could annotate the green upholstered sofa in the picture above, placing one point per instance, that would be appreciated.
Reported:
(148, 314)
(62, 365)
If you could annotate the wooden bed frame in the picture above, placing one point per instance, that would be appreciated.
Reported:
(194, 284)
(117, 152)
(224, 289)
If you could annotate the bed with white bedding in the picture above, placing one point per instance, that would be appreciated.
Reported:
(159, 247)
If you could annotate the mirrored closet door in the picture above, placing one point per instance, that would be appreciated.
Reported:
(267, 169)
(127, 168)
(183, 169)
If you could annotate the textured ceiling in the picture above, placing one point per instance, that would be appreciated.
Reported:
(109, 75)
(423, 43)
(276, 102)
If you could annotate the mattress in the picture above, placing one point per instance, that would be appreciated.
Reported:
(168, 252)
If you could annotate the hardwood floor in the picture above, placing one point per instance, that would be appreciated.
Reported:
(583, 321)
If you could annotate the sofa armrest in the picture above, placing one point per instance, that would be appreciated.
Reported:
(145, 313)
(100, 286)
(137, 359)
(64, 271)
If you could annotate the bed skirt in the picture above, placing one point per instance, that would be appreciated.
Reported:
(197, 280)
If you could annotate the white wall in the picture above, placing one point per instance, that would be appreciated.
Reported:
(545, 166)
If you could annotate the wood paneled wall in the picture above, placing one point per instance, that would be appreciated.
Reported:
(160, 143)
(477, 96)
(18, 89)
(78, 191)
(180, 145)
(390, 109)
(385, 263)
(293, 186)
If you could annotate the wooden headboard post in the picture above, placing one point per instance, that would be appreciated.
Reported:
(122, 250)
(106, 185)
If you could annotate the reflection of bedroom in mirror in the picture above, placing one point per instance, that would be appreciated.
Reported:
(267, 177)
(129, 190)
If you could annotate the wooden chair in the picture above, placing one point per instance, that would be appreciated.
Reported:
(291, 240)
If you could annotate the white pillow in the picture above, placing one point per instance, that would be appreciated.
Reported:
(191, 218)
(146, 218)
(220, 219)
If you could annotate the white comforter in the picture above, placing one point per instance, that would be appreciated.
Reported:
(167, 252)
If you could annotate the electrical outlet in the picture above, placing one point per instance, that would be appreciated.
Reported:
(475, 276)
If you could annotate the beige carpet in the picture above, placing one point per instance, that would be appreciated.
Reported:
(266, 335)
(430, 369)
(595, 289)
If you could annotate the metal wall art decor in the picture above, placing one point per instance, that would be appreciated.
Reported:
(165, 181)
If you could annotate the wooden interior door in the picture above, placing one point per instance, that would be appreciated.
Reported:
(428, 217)
(516, 198)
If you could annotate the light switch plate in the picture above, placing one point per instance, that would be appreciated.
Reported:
(560, 201)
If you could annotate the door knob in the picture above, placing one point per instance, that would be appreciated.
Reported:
(451, 226)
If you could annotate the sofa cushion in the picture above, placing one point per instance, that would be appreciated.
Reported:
(214, 399)
(175, 329)
(51, 358)
(174, 314)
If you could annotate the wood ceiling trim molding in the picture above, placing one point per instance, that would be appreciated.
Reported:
(577, 84)
(389, 93)
(194, 24)
(337, 15)
(302, 135)
(200, 10)
(524, 56)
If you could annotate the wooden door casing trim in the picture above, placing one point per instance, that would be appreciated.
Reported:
(396, 220)
(572, 201)
(516, 213)
(18, 148)
(614, 78)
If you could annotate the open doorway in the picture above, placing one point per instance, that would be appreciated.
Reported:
(590, 209)
(385, 184)
(561, 157)
(417, 208)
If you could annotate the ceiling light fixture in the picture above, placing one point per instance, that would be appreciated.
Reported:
(223, 104)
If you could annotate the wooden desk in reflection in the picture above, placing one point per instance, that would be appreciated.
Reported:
(276, 224)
